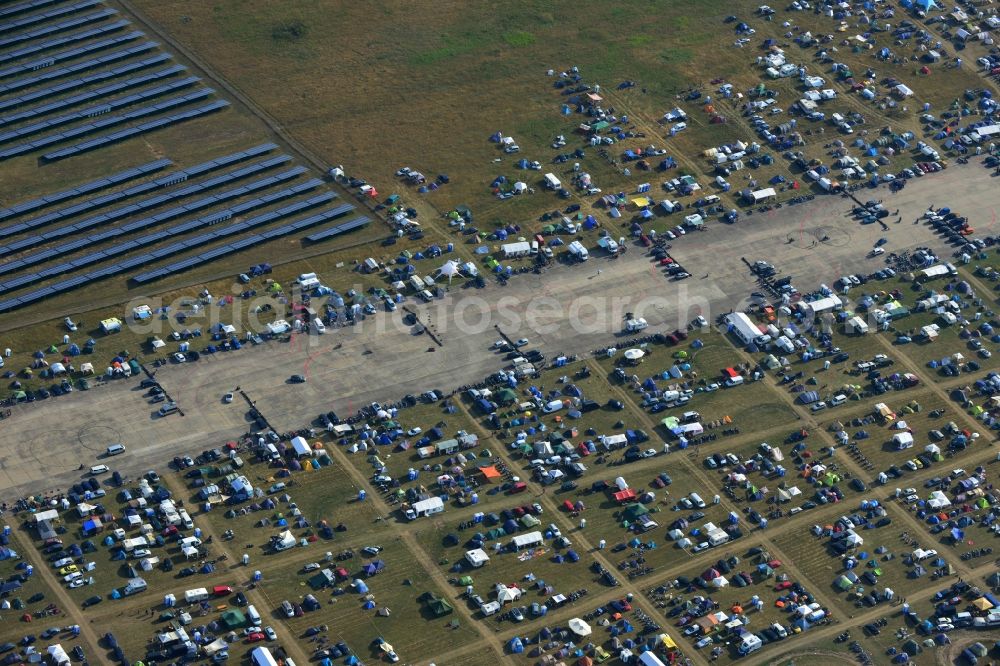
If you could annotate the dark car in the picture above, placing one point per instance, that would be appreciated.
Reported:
(297, 379)
(92, 601)
(858, 485)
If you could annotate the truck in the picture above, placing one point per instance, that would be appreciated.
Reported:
(578, 251)
(609, 244)
(427, 507)
(637, 324)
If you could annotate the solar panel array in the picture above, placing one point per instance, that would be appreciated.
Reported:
(245, 241)
(336, 230)
(148, 126)
(124, 176)
(46, 16)
(126, 245)
(88, 95)
(73, 84)
(60, 72)
(204, 257)
(90, 112)
(81, 190)
(10, 10)
(105, 122)
(64, 40)
(163, 216)
(145, 204)
(57, 27)
(70, 54)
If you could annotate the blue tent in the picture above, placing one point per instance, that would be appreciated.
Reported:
(516, 646)
(359, 586)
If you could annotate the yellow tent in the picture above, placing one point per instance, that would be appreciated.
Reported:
(982, 603)
(640, 202)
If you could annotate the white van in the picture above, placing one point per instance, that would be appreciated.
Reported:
(318, 326)
(253, 615)
(272, 452)
(99, 469)
(115, 449)
(168, 408)
(697, 500)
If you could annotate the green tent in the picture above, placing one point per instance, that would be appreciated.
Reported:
(634, 511)
(234, 618)
(506, 396)
(465, 580)
(842, 583)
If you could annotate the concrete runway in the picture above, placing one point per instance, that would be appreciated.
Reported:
(567, 309)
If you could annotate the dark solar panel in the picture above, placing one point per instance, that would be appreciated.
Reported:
(89, 112)
(88, 95)
(56, 27)
(338, 229)
(74, 84)
(65, 40)
(70, 54)
(48, 15)
(93, 186)
(10, 10)
(60, 72)
(103, 122)
(142, 128)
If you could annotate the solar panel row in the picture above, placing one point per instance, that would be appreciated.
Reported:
(208, 255)
(64, 40)
(131, 244)
(104, 122)
(135, 208)
(70, 54)
(73, 84)
(250, 240)
(350, 225)
(87, 188)
(10, 10)
(47, 16)
(88, 95)
(60, 72)
(142, 128)
(91, 111)
(74, 22)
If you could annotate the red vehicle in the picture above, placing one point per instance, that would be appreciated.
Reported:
(256, 637)
(170, 530)
(518, 487)
(783, 585)
(568, 505)
(222, 590)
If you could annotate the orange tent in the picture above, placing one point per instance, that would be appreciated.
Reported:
(490, 473)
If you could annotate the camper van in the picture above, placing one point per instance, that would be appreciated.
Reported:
(318, 326)
(551, 182)
(253, 615)
(577, 249)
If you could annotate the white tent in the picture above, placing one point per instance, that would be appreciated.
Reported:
(579, 627)
(507, 594)
(450, 269)
(87, 368)
(720, 582)
(58, 368)
(520, 187)
(634, 354)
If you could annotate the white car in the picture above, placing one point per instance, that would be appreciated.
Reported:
(649, 453)
(877, 251)
(228, 398)
(269, 633)
(312, 566)
(521, 342)
(819, 406)
(64, 562)
(412, 432)
(141, 552)
(700, 547)
(179, 357)
(69, 578)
